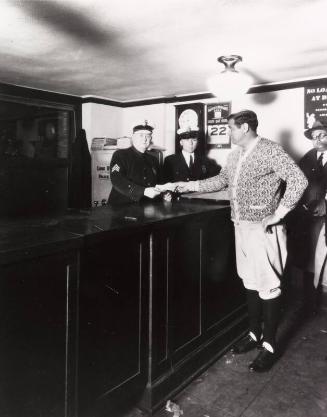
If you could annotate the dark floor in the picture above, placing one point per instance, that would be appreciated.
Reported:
(295, 387)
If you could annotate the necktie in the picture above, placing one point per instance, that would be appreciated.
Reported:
(320, 161)
(191, 162)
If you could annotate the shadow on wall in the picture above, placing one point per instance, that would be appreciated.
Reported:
(264, 98)
(285, 139)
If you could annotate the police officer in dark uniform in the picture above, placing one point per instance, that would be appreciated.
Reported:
(134, 172)
(188, 164)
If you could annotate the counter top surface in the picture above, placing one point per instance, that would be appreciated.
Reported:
(72, 228)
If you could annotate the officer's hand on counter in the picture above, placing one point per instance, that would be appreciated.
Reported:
(151, 192)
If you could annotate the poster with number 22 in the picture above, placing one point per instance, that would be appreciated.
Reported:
(217, 126)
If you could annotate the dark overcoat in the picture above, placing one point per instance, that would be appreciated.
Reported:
(303, 226)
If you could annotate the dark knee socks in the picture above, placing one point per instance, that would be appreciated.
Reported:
(271, 315)
(254, 304)
(267, 311)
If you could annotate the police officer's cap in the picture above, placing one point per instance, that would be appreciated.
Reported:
(189, 134)
(143, 126)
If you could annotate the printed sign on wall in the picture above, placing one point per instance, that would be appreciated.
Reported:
(315, 105)
(217, 131)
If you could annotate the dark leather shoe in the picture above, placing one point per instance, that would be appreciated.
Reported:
(264, 361)
(244, 345)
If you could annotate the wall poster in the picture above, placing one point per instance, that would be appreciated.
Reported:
(217, 131)
(190, 116)
(315, 105)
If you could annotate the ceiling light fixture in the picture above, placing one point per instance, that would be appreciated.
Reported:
(229, 83)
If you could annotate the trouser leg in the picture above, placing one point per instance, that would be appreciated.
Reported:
(309, 293)
(254, 304)
(271, 316)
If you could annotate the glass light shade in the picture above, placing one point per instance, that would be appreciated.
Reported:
(229, 84)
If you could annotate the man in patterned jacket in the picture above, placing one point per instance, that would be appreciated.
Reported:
(264, 184)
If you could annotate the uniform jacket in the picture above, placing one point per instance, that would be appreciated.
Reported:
(176, 168)
(131, 172)
(268, 177)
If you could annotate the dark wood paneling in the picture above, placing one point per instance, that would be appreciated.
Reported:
(222, 289)
(184, 286)
(159, 302)
(197, 302)
(26, 92)
(37, 337)
(111, 351)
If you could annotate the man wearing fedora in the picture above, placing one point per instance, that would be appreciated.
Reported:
(188, 164)
(306, 224)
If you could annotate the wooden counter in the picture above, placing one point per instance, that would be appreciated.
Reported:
(114, 304)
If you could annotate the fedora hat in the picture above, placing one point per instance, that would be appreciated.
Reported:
(317, 125)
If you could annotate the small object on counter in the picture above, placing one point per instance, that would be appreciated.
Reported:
(167, 196)
(134, 219)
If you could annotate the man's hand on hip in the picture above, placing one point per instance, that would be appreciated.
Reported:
(270, 221)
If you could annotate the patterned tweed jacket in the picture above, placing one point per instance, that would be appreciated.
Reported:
(267, 178)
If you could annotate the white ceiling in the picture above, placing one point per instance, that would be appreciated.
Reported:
(134, 49)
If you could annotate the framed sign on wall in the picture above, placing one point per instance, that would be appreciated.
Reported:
(217, 131)
(190, 117)
(315, 105)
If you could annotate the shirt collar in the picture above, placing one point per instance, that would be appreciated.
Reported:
(187, 156)
(251, 147)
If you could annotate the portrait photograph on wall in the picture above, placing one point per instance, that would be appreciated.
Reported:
(190, 117)
(217, 132)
